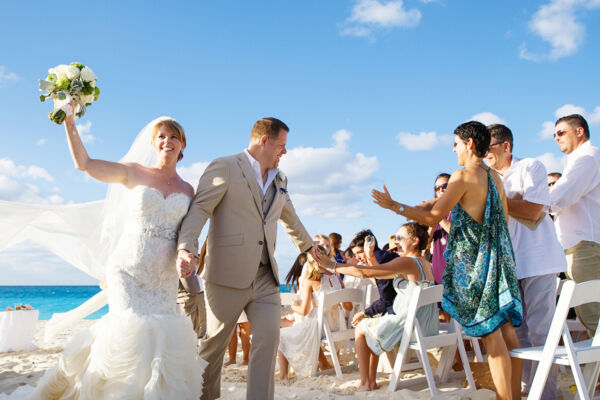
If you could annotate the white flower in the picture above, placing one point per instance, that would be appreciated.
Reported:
(92, 83)
(72, 72)
(60, 71)
(89, 99)
(88, 75)
(280, 176)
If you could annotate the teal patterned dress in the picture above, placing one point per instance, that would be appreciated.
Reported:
(481, 290)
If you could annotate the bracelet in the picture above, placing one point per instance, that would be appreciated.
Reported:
(400, 209)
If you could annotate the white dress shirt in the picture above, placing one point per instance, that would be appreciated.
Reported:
(537, 252)
(575, 197)
(271, 173)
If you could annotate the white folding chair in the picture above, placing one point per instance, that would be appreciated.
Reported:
(575, 326)
(326, 300)
(571, 354)
(412, 338)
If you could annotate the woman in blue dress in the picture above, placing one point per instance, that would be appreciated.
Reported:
(480, 285)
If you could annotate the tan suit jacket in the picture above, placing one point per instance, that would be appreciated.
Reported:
(229, 195)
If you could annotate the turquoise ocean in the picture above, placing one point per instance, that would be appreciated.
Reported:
(53, 299)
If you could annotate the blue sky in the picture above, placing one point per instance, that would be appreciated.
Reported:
(371, 89)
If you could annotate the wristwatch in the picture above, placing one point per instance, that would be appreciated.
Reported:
(401, 209)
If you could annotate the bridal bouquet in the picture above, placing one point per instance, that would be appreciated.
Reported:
(69, 83)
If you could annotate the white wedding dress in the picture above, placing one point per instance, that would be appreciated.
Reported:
(141, 349)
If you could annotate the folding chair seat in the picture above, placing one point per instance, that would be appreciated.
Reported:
(571, 354)
(326, 300)
(412, 338)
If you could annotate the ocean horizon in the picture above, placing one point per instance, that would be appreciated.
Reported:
(50, 299)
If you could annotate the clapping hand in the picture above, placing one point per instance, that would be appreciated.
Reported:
(186, 263)
(383, 199)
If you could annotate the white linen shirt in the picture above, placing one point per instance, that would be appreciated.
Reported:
(537, 252)
(271, 173)
(575, 197)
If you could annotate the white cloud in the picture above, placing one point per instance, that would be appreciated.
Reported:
(422, 141)
(192, 173)
(329, 182)
(84, 132)
(40, 142)
(556, 23)
(487, 118)
(592, 118)
(15, 183)
(553, 163)
(6, 76)
(370, 15)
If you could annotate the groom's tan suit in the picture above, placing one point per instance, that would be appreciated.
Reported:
(240, 271)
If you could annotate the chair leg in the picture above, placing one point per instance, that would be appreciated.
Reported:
(336, 361)
(422, 352)
(465, 361)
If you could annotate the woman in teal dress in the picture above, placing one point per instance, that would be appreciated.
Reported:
(480, 285)
(374, 336)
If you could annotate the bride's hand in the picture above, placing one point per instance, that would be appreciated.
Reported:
(384, 199)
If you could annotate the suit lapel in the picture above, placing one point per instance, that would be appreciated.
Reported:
(250, 176)
(276, 197)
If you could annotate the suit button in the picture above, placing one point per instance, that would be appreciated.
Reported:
(260, 242)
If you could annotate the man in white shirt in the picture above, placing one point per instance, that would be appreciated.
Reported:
(538, 253)
(575, 201)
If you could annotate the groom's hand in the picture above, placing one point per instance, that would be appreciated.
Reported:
(185, 263)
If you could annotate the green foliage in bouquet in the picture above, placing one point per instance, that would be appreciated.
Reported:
(65, 84)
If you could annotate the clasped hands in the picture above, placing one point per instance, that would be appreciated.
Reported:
(187, 263)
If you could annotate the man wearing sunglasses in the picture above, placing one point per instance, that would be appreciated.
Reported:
(575, 201)
(538, 254)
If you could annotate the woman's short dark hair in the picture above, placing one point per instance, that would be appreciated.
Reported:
(421, 232)
(478, 132)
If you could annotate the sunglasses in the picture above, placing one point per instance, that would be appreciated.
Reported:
(398, 238)
(440, 187)
(560, 133)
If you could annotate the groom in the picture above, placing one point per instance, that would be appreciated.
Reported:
(244, 195)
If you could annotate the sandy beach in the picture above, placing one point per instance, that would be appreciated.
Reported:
(26, 368)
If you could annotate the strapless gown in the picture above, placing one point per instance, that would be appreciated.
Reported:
(141, 349)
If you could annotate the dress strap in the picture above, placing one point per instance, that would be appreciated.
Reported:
(420, 268)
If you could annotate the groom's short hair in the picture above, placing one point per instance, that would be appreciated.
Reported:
(268, 127)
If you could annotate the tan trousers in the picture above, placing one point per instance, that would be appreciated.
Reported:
(193, 305)
(583, 264)
(262, 303)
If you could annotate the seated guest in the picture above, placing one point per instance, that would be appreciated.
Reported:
(385, 303)
(377, 335)
(299, 344)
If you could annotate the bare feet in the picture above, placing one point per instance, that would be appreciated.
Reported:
(373, 386)
(245, 362)
(363, 388)
(229, 362)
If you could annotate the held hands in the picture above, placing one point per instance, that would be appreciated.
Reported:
(186, 263)
(384, 199)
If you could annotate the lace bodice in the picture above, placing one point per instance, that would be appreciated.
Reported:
(142, 275)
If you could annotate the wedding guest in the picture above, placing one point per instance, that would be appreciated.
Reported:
(480, 261)
(299, 344)
(243, 326)
(439, 234)
(373, 336)
(385, 287)
(552, 178)
(575, 202)
(336, 244)
(538, 254)
(324, 242)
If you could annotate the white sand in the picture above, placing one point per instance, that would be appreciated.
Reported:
(26, 368)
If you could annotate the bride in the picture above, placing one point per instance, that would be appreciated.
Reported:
(142, 348)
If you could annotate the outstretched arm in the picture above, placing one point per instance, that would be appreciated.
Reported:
(105, 171)
(441, 208)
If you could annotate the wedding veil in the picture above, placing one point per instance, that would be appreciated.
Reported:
(84, 235)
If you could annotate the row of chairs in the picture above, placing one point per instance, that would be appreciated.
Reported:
(450, 340)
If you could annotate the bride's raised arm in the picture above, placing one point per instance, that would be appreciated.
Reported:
(105, 171)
